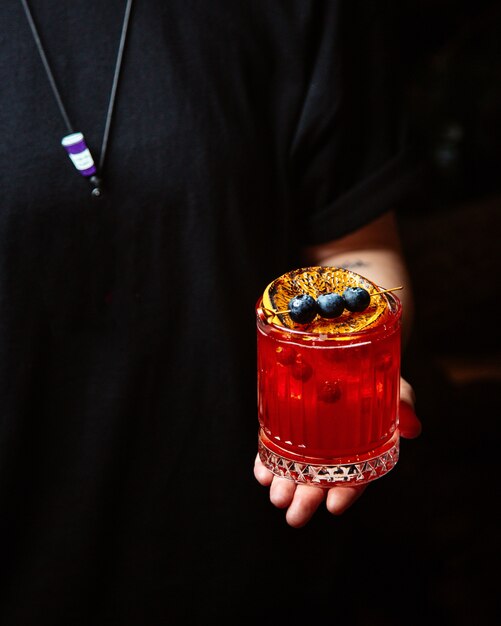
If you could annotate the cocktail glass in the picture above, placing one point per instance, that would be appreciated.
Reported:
(328, 403)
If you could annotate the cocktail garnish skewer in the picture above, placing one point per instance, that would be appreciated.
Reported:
(377, 293)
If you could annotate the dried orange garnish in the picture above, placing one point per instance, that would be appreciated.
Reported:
(317, 280)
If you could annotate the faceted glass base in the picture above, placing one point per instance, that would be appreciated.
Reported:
(355, 471)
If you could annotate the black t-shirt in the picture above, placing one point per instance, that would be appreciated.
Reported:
(242, 131)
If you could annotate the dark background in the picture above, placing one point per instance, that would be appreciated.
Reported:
(439, 551)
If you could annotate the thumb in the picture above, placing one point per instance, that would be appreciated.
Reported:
(409, 424)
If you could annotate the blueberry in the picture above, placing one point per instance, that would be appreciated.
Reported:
(330, 305)
(301, 370)
(329, 391)
(285, 355)
(356, 299)
(302, 309)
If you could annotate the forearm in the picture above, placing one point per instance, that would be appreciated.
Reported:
(374, 252)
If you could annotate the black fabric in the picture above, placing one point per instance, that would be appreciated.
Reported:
(242, 132)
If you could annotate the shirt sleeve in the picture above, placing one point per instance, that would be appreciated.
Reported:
(351, 156)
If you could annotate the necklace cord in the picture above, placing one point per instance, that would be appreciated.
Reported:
(46, 65)
(118, 65)
(53, 84)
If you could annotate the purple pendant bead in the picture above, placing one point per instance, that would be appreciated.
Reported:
(78, 152)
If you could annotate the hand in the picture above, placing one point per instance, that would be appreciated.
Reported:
(302, 501)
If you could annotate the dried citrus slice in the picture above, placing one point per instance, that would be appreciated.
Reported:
(317, 280)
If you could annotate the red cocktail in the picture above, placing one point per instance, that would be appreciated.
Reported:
(328, 393)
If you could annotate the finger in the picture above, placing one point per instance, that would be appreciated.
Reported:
(282, 492)
(261, 473)
(304, 504)
(341, 498)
